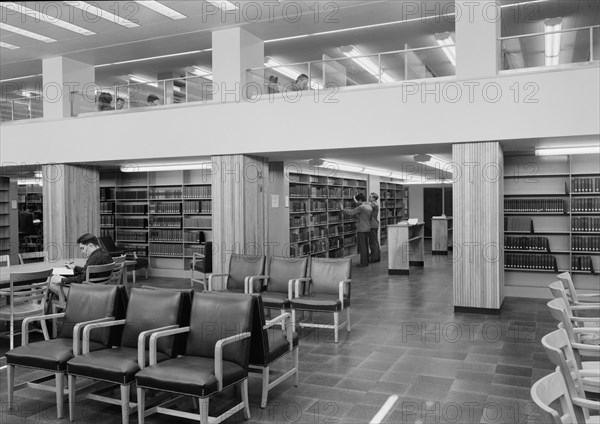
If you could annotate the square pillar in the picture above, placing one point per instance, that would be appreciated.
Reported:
(61, 76)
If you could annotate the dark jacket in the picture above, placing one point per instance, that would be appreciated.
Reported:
(374, 214)
(363, 215)
(98, 257)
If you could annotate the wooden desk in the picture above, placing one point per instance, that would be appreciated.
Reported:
(32, 267)
(441, 234)
(405, 247)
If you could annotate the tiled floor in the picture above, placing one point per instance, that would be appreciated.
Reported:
(406, 341)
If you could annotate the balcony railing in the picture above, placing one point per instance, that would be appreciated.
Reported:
(377, 68)
(577, 45)
(121, 98)
(21, 108)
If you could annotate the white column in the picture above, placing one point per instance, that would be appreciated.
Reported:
(61, 76)
(477, 32)
(234, 51)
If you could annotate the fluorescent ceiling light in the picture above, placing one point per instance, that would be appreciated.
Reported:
(425, 182)
(96, 11)
(165, 166)
(379, 172)
(521, 3)
(445, 40)
(292, 74)
(142, 80)
(223, 4)
(201, 72)
(367, 63)
(8, 46)
(38, 16)
(162, 9)
(30, 181)
(152, 58)
(564, 151)
(19, 78)
(25, 33)
(340, 166)
(552, 40)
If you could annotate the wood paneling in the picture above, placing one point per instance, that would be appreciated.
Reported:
(71, 208)
(478, 225)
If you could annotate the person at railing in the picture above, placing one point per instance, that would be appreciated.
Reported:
(301, 83)
(153, 100)
(105, 101)
(119, 103)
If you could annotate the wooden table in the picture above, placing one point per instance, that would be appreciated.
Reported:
(32, 267)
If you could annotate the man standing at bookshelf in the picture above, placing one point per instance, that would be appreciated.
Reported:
(362, 213)
(373, 235)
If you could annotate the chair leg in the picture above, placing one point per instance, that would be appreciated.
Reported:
(10, 377)
(71, 397)
(203, 410)
(141, 402)
(134, 277)
(60, 393)
(348, 319)
(12, 331)
(336, 323)
(125, 404)
(295, 364)
(265, 387)
(283, 321)
(245, 399)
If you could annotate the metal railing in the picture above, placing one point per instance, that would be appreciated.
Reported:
(377, 68)
(577, 45)
(21, 108)
(141, 95)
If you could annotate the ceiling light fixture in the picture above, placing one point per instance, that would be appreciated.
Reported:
(223, 4)
(8, 46)
(142, 80)
(340, 166)
(25, 33)
(564, 151)
(446, 41)
(38, 16)
(201, 72)
(336, 165)
(97, 11)
(20, 78)
(288, 72)
(367, 63)
(165, 166)
(164, 56)
(162, 9)
(552, 40)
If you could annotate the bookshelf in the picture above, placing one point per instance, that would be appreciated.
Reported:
(317, 227)
(393, 206)
(441, 235)
(406, 247)
(30, 196)
(164, 216)
(5, 238)
(552, 218)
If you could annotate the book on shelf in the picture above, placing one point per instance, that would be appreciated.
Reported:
(586, 243)
(585, 204)
(165, 207)
(585, 185)
(518, 224)
(131, 195)
(199, 192)
(165, 193)
(198, 222)
(582, 263)
(535, 205)
(165, 221)
(530, 261)
(586, 224)
(166, 235)
(132, 209)
(165, 249)
(132, 236)
(132, 222)
(536, 243)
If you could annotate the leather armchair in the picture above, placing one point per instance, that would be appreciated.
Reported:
(216, 357)
(241, 269)
(202, 263)
(278, 287)
(148, 311)
(269, 344)
(328, 290)
(87, 304)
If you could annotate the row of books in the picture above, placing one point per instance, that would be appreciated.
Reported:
(189, 250)
(391, 204)
(132, 222)
(166, 235)
(137, 209)
(132, 195)
(197, 206)
(165, 221)
(524, 261)
(585, 204)
(124, 235)
(107, 207)
(323, 192)
(165, 207)
(164, 249)
(585, 223)
(194, 236)
(535, 205)
(582, 263)
(518, 223)
(105, 232)
(526, 243)
(140, 250)
(107, 193)
(586, 243)
(585, 185)
(107, 221)
(198, 222)
(197, 192)
(164, 193)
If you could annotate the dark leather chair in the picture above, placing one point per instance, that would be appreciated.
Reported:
(216, 357)
(269, 344)
(241, 269)
(148, 311)
(132, 263)
(278, 286)
(202, 263)
(87, 304)
(327, 290)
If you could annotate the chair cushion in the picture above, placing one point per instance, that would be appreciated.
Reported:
(278, 346)
(49, 355)
(117, 365)
(190, 375)
(321, 302)
(275, 299)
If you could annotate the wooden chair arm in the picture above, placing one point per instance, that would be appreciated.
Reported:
(154, 341)
(88, 329)
(219, 354)
(210, 278)
(28, 320)
(142, 343)
(249, 282)
(79, 326)
(342, 286)
(297, 284)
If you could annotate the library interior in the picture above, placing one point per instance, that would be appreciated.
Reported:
(300, 211)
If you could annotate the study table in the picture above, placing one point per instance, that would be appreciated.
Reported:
(33, 267)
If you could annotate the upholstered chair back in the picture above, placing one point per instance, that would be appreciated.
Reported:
(326, 274)
(242, 266)
(282, 270)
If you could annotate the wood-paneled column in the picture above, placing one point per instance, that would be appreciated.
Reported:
(239, 207)
(478, 204)
(71, 207)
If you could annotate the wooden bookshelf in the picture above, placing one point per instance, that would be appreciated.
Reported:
(317, 227)
(441, 235)
(393, 206)
(5, 218)
(406, 247)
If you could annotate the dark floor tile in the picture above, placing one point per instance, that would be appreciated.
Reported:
(323, 379)
(512, 380)
(431, 388)
(513, 370)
